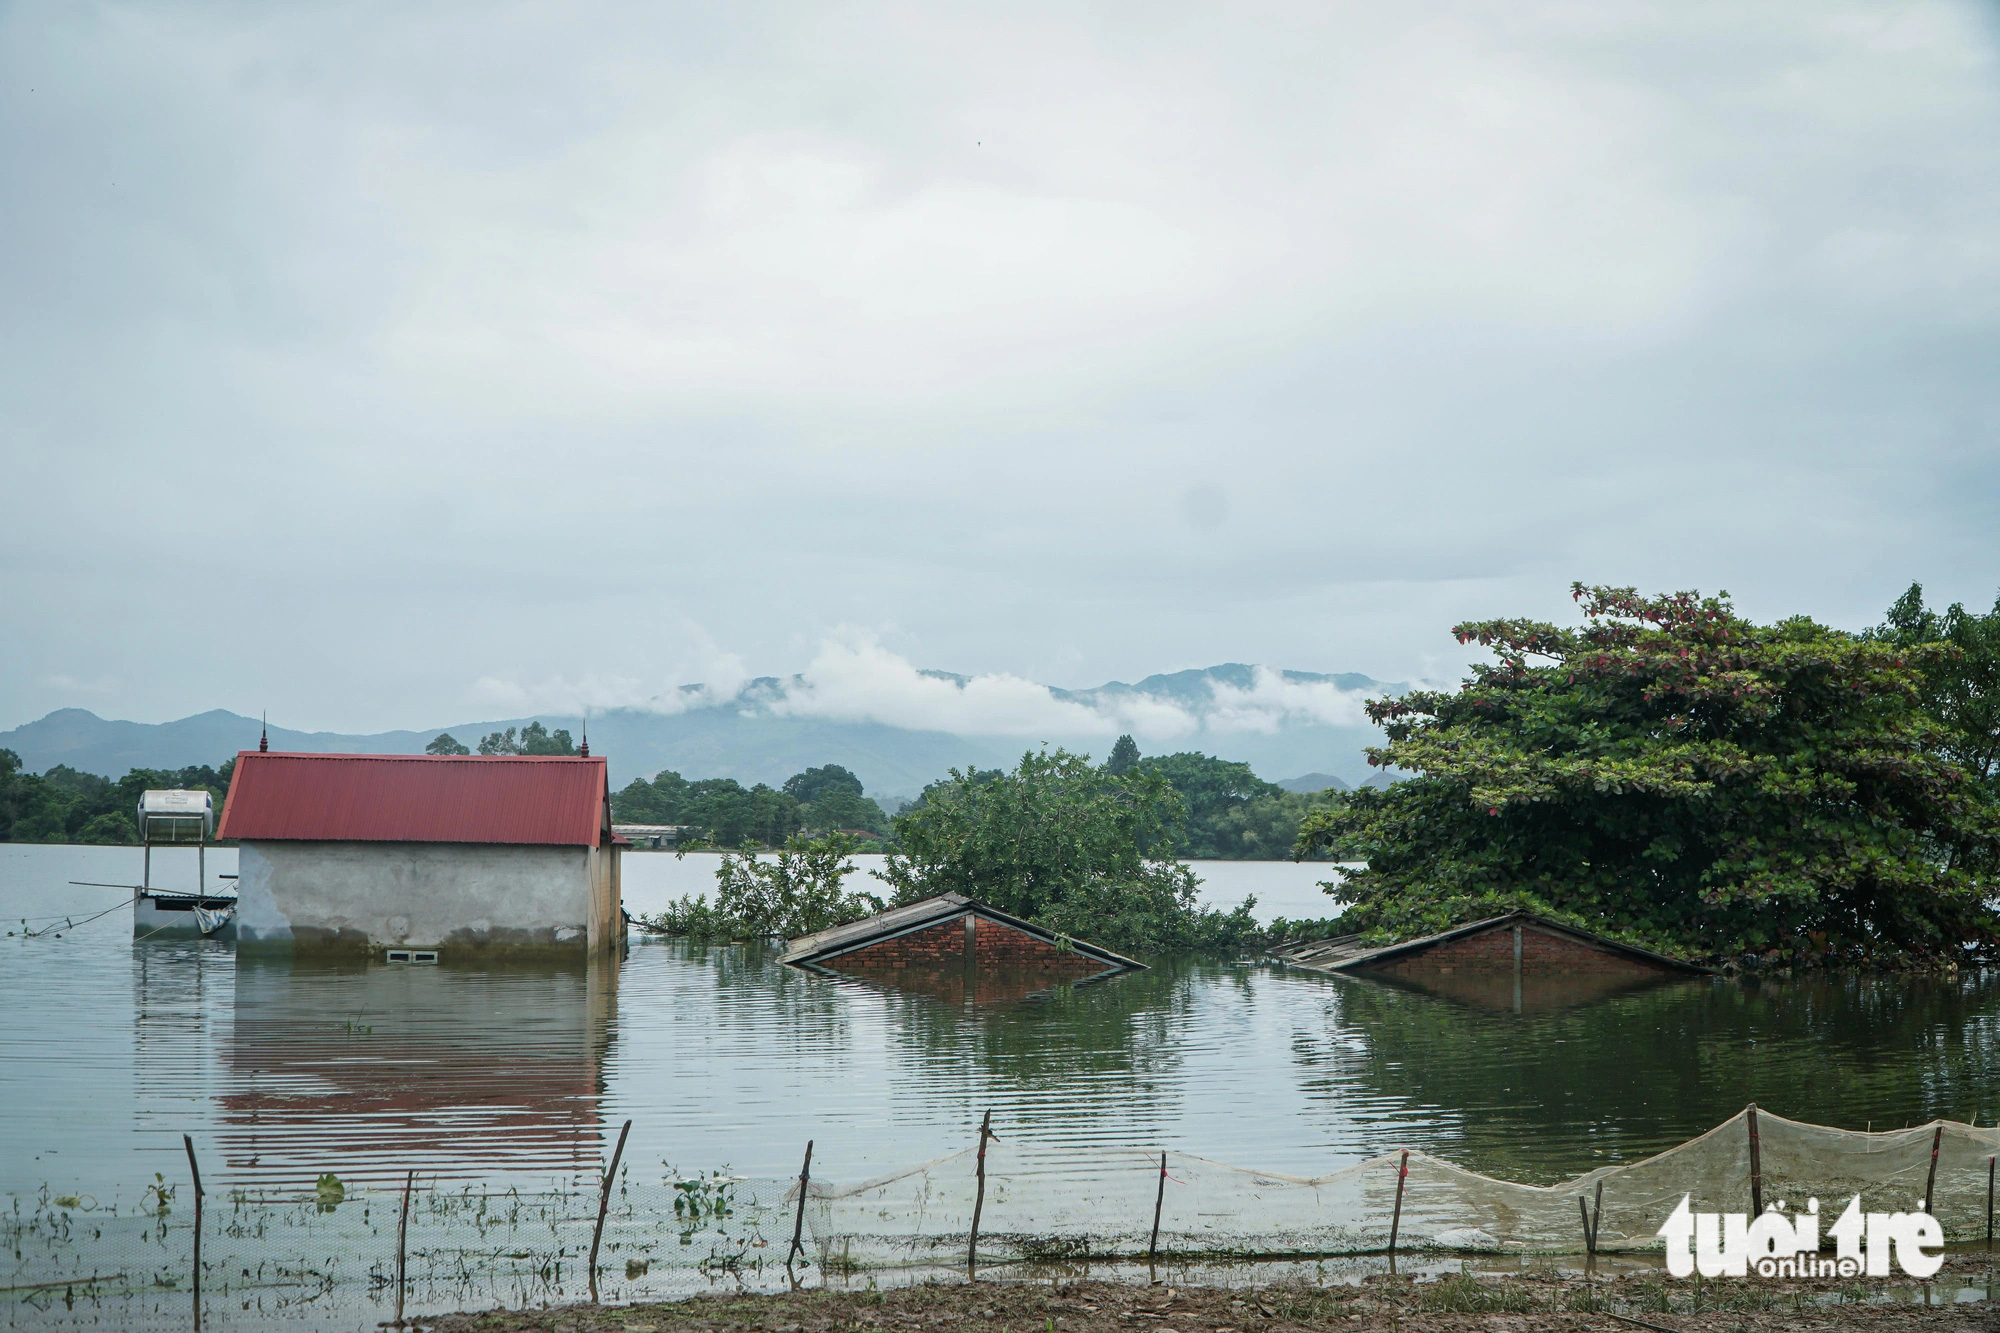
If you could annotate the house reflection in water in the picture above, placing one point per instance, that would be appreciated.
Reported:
(1532, 993)
(1518, 961)
(371, 1070)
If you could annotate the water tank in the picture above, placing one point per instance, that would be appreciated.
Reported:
(176, 816)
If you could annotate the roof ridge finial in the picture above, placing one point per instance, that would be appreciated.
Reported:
(264, 733)
(584, 750)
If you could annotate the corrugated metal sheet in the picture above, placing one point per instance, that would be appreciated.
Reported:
(416, 798)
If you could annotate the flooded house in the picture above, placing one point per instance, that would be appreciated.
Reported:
(955, 948)
(1517, 960)
(424, 858)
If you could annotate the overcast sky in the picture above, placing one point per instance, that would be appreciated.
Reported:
(382, 365)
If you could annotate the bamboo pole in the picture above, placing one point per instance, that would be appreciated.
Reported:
(1396, 1219)
(979, 1199)
(1756, 1165)
(604, 1206)
(402, 1244)
(799, 1223)
(194, 1169)
(1930, 1182)
(1159, 1199)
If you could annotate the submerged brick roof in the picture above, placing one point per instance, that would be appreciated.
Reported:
(530, 800)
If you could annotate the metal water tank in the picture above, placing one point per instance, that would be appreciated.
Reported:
(176, 816)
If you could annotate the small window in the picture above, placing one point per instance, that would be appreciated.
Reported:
(399, 955)
(423, 955)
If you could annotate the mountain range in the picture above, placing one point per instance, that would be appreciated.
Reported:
(1282, 723)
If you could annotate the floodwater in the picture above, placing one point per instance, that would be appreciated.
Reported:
(112, 1050)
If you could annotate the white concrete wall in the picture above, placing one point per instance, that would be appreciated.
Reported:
(355, 896)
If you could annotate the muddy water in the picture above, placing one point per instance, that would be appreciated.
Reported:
(112, 1050)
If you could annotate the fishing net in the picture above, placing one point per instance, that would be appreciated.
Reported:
(271, 1257)
(1038, 1205)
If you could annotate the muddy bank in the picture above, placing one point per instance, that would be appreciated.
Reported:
(1459, 1303)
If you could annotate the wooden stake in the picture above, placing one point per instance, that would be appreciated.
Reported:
(1591, 1223)
(1989, 1203)
(1396, 1219)
(194, 1169)
(1756, 1166)
(979, 1200)
(1153, 1246)
(402, 1241)
(1930, 1183)
(604, 1206)
(799, 1223)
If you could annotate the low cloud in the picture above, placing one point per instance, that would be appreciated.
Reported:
(1273, 701)
(853, 678)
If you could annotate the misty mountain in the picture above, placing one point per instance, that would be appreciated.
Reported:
(1280, 722)
(1309, 783)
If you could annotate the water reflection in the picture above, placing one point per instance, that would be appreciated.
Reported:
(1538, 1094)
(1527, 993)
(377, 1069)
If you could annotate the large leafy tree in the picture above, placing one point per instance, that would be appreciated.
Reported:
(1959, 687)
(1674, 774)
(1066, 844)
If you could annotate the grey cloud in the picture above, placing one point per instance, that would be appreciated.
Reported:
(595, 342)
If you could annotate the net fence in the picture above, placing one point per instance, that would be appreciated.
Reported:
(270, 1258)
(1037, 1206)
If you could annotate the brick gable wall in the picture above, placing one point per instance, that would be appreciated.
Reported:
(1542, 952)
(994, 946)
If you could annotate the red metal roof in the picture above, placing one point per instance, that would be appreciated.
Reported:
(541, 800)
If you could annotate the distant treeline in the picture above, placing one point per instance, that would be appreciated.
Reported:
(63, 805)
(1231, 814)
(819, 800)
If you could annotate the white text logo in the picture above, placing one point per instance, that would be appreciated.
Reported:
(1774, 1245)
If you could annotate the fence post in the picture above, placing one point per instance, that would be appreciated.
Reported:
(402, 1238)
(1396, 1219)
(1591, 1224)
(1930, 1182)
(1989, 1203)
(979, 1200)
(1756, 1165)
(604, 1206)
(799, 1223)
(1153, 1246)
(194, 1169)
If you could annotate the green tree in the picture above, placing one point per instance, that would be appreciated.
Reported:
(446, 743)
(532, 739)
(830, 799)
(1674, 774)
(1065, 844)
(65, 805)
(1960, 687)
(661, 801)
(500, 742)
(1124, 754)
(795, 893)
(1232, 814)
(814, 783)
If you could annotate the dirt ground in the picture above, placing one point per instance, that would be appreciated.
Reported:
(1458, 1303)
